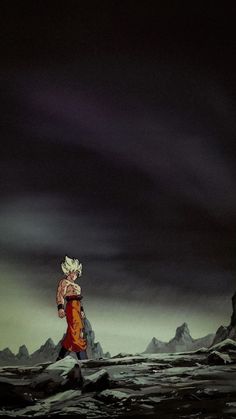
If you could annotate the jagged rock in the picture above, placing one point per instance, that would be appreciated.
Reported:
(12, 394)
(45, 353)
(207, 391)
(100, 380)
(218, 358)
(201, 350)
(225, 345)
(107, 355)
(6, 355)
(122, 355)
(23, 353)
(221, 334)
(98, 352)
(233, 316)
(94, 349)
(51, 406)
(111, 396)
(155, 346)
(182, 333)
(224, 332)
(63, 374)
(205, 341)
(182, 340)
(172, 383)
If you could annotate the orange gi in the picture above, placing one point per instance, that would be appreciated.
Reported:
(74, 339)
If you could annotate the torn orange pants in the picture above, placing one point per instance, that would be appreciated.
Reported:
(74, 340)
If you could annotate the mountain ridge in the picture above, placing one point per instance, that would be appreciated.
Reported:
(48, 351)
(182, 341)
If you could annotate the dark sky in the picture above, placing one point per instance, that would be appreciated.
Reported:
(118, 148)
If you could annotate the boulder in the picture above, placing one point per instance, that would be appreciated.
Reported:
(98, 381)
(225, 345)
(12, 394)
(113, 395)
(61, 375)
(218, 358)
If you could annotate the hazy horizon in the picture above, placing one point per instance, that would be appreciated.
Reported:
(119, 326)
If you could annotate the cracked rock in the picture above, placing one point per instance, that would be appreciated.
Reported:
(218, 358)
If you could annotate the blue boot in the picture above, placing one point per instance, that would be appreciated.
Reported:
(62, 353)
(82, 355)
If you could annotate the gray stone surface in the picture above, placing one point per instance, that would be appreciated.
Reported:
(165, 385)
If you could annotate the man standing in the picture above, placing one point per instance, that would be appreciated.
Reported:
(68, 290)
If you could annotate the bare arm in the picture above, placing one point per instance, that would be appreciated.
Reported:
(61, 291)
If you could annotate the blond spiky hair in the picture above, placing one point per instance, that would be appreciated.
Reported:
(71, 265)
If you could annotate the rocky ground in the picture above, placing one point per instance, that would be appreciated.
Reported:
(197, 384)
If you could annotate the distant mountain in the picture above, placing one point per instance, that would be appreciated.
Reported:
(46, 352)
(23, 354)
(49, 351)
(155, 346)
(182, 341)
(7, 356)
